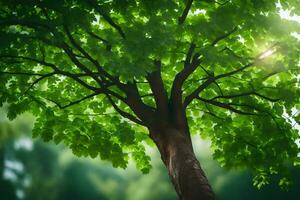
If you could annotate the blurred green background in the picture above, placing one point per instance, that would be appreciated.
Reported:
(34, 170)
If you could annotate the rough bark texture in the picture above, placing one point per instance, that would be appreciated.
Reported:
(184, 169)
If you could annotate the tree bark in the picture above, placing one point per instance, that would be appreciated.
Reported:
(184, 169)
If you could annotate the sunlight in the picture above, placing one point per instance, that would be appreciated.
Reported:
(286, 14)
(241, 39)
(197, 12)
(267, 54)
(296, 35)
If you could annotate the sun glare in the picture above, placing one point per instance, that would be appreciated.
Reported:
(296, 35)
(267, 54)
(198, 11)
(286, 14)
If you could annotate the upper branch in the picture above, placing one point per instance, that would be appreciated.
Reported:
(81, 66)
(23, 22)
(222, 37)
(38, 80)
(157, 87)
(211, 79)
(134, 101)
(104, 41)
(234, 71)
(54, 67)
(222, 3)
(22, 73)
(36, 24)
(232, 53)
(224, 105)
(71, 49)
(245, 94)
(185, 12)
(41, 76)
(89, 57)
(189, 68)
(106, 17)
(196, 92)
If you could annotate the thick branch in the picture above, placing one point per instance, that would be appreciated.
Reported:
(189, 68)
(185, 12)
(134, 101)
(158, 89)
(190, 65)
(189, 55)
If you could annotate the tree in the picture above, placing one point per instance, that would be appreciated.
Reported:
(105, 77)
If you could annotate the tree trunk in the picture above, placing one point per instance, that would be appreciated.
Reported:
(184, 169)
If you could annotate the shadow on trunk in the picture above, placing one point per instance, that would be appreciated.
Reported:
(184, 169)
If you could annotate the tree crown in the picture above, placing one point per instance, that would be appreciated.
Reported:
(98, 73)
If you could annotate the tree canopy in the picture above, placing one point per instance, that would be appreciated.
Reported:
(97, 73)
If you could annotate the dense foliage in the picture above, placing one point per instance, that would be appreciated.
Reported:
(83, 68)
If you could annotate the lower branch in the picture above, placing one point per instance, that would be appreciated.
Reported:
(73, 102)
(123, 113)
